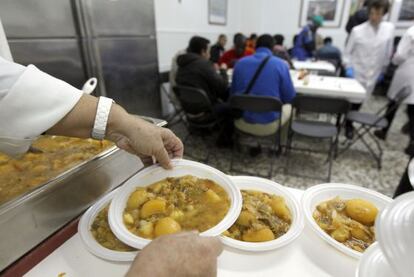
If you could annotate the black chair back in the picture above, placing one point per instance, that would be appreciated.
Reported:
(321, 104)
(255, 103)
(193, 100)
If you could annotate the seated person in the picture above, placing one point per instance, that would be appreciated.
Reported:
(329, 52)
(274, 80)
(238, 51)
(251, 43)
(217, 50)
(280, 51)
(195, 70)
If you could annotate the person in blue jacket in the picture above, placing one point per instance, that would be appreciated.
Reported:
(305, 43)
(274, 80)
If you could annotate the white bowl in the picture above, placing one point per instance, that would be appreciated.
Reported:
(320, 193)
(374, 263)
(156, 173)
(264, 185)
(88, 239)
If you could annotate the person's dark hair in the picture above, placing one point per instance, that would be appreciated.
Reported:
(239, 40)
(221, 36)
(279, 39)
(265, 41)
(197, 45)
(366, 3)
(378, 4)
(327, 40)
(253, 36)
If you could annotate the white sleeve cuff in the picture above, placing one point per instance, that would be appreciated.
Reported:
(35, 103)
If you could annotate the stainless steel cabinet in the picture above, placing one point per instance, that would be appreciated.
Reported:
(77, 39)
(59, 57)
(37, 18)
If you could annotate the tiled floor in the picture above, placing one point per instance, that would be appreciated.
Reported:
(355, 166)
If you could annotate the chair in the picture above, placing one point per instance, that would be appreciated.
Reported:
(198, 111)
(178, 115)
(317, 128)
(369, 121)
(258, 104)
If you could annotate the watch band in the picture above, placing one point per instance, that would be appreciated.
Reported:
(101, 118)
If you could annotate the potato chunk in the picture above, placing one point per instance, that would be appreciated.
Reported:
(261, 235)
(362, 211)
(245, 218)
(136, 199)
(156, 206)
(166, 226)
(280, 209)
(212, 197)
(341, 234)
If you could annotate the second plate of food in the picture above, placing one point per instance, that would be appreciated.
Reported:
(344, 215)
(156, 202)
(270, 216)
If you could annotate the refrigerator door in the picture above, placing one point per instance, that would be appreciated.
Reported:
(37, 18)
(60, 58)
(130, 72)
(121, 18)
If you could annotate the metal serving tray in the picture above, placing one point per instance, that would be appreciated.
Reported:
(32, 217)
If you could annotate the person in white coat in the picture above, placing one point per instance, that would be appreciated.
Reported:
(403, 77)
(33, 102)
(368, 50)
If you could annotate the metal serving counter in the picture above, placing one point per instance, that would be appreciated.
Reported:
(31, 218)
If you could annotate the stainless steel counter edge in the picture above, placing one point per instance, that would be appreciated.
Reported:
(28, 220)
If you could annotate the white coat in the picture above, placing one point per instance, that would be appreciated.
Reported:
(31, 102)
(369, 51)
(404, 58)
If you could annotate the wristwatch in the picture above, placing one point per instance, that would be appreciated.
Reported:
(101, 118)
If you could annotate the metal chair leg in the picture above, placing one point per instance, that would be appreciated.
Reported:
(330, 154)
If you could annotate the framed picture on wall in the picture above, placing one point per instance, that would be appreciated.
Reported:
(217, 12)
(402, 13)
(331, 10)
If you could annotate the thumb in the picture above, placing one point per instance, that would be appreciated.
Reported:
(162, 157)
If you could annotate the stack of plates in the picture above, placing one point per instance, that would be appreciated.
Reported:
(393, 255)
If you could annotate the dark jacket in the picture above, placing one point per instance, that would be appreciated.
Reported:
(196, 71)
(356, 19)
(215, 52)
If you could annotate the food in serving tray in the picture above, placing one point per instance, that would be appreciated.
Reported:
(103, 235)
(350, 222)
(263, 217)
(174, 204)
(57, 155)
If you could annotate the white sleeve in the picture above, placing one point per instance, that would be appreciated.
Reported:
(405, 47)
(349, 47)
(31, 102)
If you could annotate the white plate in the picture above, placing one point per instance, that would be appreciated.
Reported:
(156, 173)
(264, 185)
(320, 193)
(91, 244)
(373, 263)
(395, 234)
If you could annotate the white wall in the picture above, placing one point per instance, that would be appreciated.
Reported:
(282, 18)
(178, 20)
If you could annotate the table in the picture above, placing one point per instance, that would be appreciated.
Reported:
(338, 87)
(308, 255)
(314, 66)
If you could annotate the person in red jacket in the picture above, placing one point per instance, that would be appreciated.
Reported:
(238, 51)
